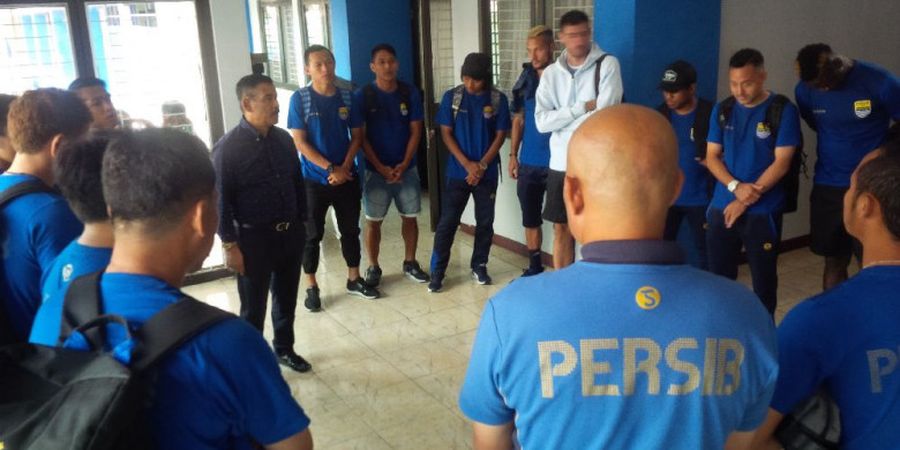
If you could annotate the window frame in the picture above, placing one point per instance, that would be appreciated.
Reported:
(298, 9)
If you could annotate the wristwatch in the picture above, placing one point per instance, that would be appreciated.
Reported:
(733, 184)
(482, 166)
(228, 245)
(331, 168)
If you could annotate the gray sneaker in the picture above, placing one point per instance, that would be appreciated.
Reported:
(359, 288)
(373, 276)
(414, 272)
(313, 302)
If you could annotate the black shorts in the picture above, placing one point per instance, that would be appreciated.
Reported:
(827, 234)
(555, 207)
(530, 188)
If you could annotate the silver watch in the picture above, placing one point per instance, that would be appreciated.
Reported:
(733, 184)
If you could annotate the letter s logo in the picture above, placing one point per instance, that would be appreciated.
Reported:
(647, 297)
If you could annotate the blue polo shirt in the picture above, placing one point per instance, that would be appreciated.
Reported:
(220, 390)
(749, 149)
(387, 126)
(535, 149)
(74, 261)
(327, 128)
(695, 190)
(34, 229)
(475, 128)
(847, 340)
(663, 356)
(850, 121)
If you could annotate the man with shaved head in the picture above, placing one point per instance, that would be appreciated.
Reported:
(663, 356)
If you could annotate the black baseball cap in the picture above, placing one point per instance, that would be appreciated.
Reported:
(677, 76)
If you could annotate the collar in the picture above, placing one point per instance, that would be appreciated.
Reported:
(249, 128)
(643, 251)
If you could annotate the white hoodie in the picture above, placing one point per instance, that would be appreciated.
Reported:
(561, 96)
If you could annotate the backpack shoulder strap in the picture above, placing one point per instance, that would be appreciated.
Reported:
(405, 92)
(495, 100)
(81, 305)
(700, 128)
(725, 107)
(773, 114)
(23, 188)
(371, 98)
(305, 103)
(346, 97)
(172, 327)
(457, 99)
(597, 66)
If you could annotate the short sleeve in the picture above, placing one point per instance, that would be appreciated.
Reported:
(416, 112)
(359, 98)
(503, 120)
(445, 112)
(47, 322)
(789, 130)
(253, 383)
(757, 411)
(480, 398)
(890, 96)
(715, 132)
(295, 113)
(55, 227)
(801, 96)
(800, 371)
(357, 117)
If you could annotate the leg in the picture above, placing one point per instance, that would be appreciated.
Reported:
(456, 195)
(376, 200)
(410, 232)
(485, 194)
(563, 246)
(723, 245)
(346, 203)
(761, 234)
(530, 189)
(828, 237)
(317, 200)
(253, 286)
(555, 211)
(285, 282)
(408, 198)
(373, 240)
(696, 217)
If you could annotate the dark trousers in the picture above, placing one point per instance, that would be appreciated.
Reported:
(760, 234)
(271, 261)
(696, 220)
(455, 197)
(345, 199)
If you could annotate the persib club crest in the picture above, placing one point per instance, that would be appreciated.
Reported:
(762, 130)
(404, 111)
(344, 112)
(488, 112)
(862, 108)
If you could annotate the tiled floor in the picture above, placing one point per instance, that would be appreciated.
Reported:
(386, 373)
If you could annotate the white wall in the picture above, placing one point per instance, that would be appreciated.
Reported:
(860, 29)
(230, 36)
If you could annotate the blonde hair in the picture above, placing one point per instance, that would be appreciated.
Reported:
(541, 32)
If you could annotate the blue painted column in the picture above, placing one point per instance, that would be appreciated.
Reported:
(359, 25)
(646, 35)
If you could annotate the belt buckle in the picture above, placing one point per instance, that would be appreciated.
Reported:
(282, 226)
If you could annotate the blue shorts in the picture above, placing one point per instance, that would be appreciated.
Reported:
(530, 188)
(377, 195)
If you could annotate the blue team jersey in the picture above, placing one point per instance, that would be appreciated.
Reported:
(850, 121)
(74, 261)
(749, 149)
(663, 356)
(387, 128)
(327, 129)
(697, 180)
(220, 390)
(535, 149)
(34, 229)
(475, 128)
(848, 341)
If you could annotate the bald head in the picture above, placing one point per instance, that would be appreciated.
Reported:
(623, 161)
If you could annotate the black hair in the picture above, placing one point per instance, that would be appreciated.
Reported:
(5, 101)
(250, 82)
(573, 17)
(77, 168)
(808, 60)
(86, 82)
(880, 177)
(383, 47)
(746, 56)
(154, 176)
(314, 49)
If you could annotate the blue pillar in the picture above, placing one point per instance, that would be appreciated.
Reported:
(358, 25)
(646, 35)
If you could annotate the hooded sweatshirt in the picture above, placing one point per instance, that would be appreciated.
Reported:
(561, 96)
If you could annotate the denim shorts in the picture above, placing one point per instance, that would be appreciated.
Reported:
(378, 194)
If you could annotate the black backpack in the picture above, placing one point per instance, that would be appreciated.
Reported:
(28, 187)
(60, 398)
(371, 97)
(700, 127)
(791, 181)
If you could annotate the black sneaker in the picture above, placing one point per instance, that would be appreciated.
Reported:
(313, 302)
(373, 276)
(291, 359)
(532, 271)
(480, 275)
(359, 288)
(437, 282)
(414, 272)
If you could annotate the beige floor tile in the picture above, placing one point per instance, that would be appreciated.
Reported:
(361, 377)
(449, 321)
(426, 358)
(394, 405)
(394, 336)
(444, 385)
(444, 430)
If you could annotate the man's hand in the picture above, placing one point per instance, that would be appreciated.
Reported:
(385, 171)
(590, 105)
(340, 175)
(514, 167)
(748, 193)
(234, 259)
(733, 212)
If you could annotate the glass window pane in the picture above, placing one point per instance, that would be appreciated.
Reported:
(510, 23)
(36, 48)
(272, 26)
(445, 75)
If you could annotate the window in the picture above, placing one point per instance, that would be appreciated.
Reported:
(285, 28)
(36, 48)
(556, 8)
(143, 14)
(442, 48)
(510, 22)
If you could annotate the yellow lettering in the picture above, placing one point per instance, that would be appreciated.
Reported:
(591, 368)
(729, 367)
(648, 366)
(709, 366)
(546, 349)
(877, 370)
(693, 374)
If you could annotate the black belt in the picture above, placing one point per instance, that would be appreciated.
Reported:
(274, 226)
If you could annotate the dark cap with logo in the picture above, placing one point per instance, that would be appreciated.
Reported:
(677, 76)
